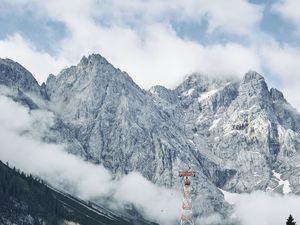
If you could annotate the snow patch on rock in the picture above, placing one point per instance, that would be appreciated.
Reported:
(286, 184)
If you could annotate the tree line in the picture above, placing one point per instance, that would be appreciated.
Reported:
(22, 195)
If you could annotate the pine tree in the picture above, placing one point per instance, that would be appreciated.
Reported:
(290, 221)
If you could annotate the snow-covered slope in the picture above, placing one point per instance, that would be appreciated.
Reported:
(237, 134)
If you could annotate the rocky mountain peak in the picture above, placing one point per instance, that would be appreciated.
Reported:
(13, 75)
(91, 69)
(93, 59)
(253, 89)
(195, 84)
(159, 92)
(87, 86)
(276, 95)
(255, 82)
(51, 78)
(252, 76)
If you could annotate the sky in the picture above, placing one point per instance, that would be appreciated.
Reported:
(158, 42)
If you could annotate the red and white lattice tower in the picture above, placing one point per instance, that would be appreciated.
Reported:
(187, 208)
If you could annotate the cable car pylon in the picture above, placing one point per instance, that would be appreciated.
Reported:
(186, 217)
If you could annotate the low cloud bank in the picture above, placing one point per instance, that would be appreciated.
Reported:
(264, 208)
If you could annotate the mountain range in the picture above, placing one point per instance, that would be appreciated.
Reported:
(236, 134)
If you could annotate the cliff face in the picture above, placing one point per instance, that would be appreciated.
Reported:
(120, 126)
(236, 134)
(245, 127)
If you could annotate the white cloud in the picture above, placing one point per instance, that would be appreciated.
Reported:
(41, 64)
(162, 57)
(159, 203)
(137, 37)
(153, 54)
(284, 63)
(234, 16)
(289, 9)
(46, 160)
(21, 148)
(265, 209)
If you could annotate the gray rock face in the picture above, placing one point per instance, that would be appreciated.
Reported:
(240, 125)
(120, 126)
(13, 75)
(236, 134)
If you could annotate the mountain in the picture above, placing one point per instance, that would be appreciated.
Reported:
(27, 200)
(236, 134)
(120, 126)
(242, 125)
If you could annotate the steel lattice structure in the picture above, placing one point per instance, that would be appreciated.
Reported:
(187, 207)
